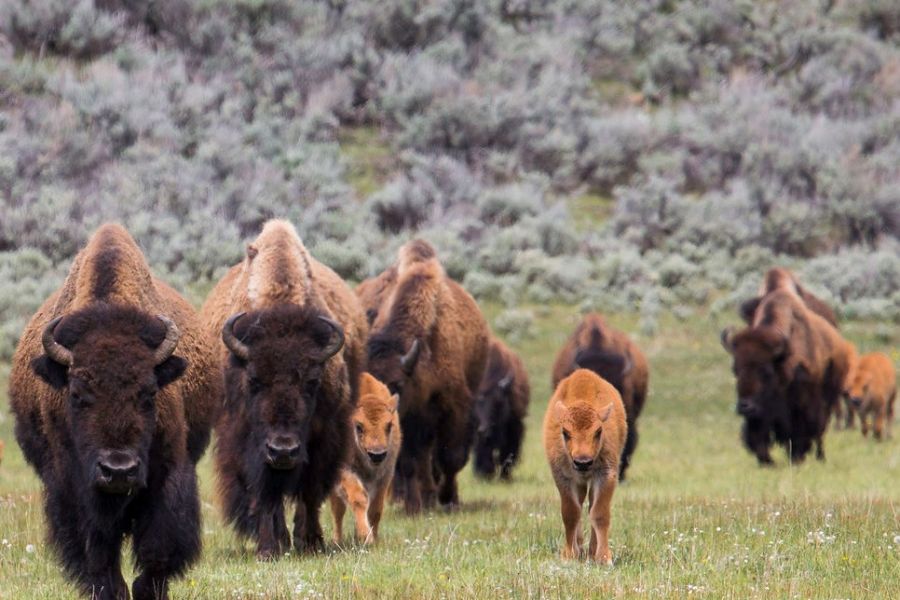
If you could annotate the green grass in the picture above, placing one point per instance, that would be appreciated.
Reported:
(698, 518)
(369, 157)
(590, 211)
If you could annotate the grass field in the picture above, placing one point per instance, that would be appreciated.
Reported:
(697, 518)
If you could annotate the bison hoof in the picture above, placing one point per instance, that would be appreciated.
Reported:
(309, 544)
(146, 587)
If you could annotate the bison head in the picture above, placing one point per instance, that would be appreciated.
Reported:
(492, 404)
(276, 371)
(393, 362)
(856, 390)
(376, 420)
(111, 361)
(582, 432)
(757, 356)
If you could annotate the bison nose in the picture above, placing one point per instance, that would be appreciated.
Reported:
(377, 457)
(856, 401)
(583, 464)
(745, 406)
(117, 471)
(282, 452)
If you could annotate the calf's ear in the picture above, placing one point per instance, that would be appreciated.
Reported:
(169, 370)
(51, 372)
(396, 400)
(605, 412)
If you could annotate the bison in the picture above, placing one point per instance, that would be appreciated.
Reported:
(613, 356)
(871, 389)
(500, 409)
(114, 394)
(366, 479)
(779, 278)
(429, 345)
(292, 351)
(790, 365)
(585, 429)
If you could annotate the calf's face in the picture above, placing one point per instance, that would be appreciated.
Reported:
(581, 428)
(276, 371)
(111, 364)
(376, 424)
(857, 392)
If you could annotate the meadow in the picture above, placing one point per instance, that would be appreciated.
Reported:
(697, 517)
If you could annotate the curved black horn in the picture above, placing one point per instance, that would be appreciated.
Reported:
(167, 347)
(54, 349)
(726, 336)
(335, 346)
(408, 361)
(628, 364)
(504, 383)
(236, 346)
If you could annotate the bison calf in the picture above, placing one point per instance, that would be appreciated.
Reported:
(871, 390)
(366, 479)
(500, 408)
(584, 436)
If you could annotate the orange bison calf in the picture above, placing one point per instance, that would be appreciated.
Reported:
(613, 356)
(871, 390)
(584, 436)
(365, 481)
(114, 395)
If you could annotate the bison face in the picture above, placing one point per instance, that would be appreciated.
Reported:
(492, 405)
(582, 432)
(393, 362)
(112, 362)
(277, 366)
(757, 357)
(376, 425)
(857, 392)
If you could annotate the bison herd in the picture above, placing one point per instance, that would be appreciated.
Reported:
(315, 392)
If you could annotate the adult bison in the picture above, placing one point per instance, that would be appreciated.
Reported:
(114, 392)
(500, 408)
(293, 349)
(790, 365)
(429, 344)
(779, 278)
(610, 354)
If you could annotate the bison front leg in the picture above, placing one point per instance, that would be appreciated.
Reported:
(453, 443)
(600, 514)
(570, 507)
(510, 447)
(167, 534)
(307, 529)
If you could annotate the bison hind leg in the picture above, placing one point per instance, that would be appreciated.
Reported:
(485, 463)
(511, 447)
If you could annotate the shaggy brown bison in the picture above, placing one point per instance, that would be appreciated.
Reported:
(584, 436)
(790, 366)
(367, 477)
(779, 278)
(871, 389)
(293, 338)
(429, 344)
(613, 356)
(114, 394)
(500, 409)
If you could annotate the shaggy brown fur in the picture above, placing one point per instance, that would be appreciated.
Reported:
(366, 479)
(373, 291)
(613, 356)
(779, 278)
(871, 389)
(584, 436)
(790, 365)
(286, 429)
(500, 409)
(429, 344)
(115, 421)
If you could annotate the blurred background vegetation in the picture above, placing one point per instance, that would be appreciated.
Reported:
(650, 156)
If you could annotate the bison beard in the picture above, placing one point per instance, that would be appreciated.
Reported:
(286, 428)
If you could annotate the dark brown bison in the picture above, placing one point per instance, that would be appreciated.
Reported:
(429, 344)
(790, 366)
(500, 409)
(613, 356)
(114, 394)
(779, 278)
(293, 350)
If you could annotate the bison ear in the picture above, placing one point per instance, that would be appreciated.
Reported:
(605, 412)
(169, 370)
(560, 410)
(727, 339)
(396, 400)
(748, 308)
(52, 372)
(251, 251)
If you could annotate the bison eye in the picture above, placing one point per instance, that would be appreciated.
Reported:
(597, 435)
(359, 428)
(255, 385)
(79, 401)
(394, 388)
(388, 429)
(311, 387)
(566, 435)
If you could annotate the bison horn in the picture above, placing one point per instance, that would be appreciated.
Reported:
(236, 346)
(504, 383)
(727, 334)
(54, 349)
(334, 346)
(626, 367)
(167, 347)
(408, 361)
